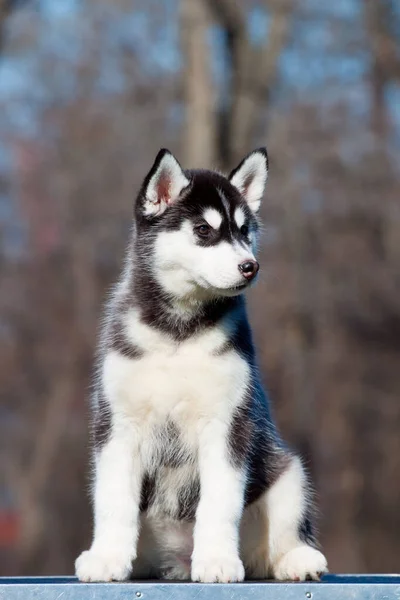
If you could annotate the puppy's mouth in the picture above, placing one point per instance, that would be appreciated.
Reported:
(239, 287)
(231, 291)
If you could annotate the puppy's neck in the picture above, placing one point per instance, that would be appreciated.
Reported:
(179, 317)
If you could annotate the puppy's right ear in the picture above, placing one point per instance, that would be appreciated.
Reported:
(163, 185)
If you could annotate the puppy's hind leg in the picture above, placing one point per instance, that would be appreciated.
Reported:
(291, 551)
(282, 547)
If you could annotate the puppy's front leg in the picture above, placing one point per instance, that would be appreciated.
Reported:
(215, 555)
(116, 512)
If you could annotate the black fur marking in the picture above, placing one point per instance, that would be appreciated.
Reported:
(242, 341)
(255, 445)
(148, 492)
(240, 434)
(307, 530)
(188, 501)
(254, 442)
(265, 469)
(101, 424)
(119, 342)
(242, 426)
(173, 454)
(156, 311)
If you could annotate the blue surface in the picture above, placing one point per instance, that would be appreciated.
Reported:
(332, 587)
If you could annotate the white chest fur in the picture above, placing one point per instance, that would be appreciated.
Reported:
(187, 383)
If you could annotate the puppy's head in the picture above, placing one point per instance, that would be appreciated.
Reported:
(197, 230)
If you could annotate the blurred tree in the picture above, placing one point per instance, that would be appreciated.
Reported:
(383, 28)
(228, 124)
(199, 93)
(6, 8)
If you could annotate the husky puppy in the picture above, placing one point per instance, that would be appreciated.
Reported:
(191, 478)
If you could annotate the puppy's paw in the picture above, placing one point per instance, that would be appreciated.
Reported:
(105, 565)
(300, 564)
(221, 569)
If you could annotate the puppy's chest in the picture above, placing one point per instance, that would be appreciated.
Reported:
(183, 382)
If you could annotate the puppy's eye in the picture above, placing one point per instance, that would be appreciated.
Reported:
(203, 230)
(244, 230)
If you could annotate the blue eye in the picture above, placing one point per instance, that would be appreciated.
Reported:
(244, 230)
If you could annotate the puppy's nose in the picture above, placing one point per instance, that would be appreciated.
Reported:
(249, 269)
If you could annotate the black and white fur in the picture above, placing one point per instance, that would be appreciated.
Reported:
(192, 480)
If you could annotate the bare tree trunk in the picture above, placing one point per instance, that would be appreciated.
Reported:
(224, 136)
(199, 137)
(253, 71)
(385, 60)
(254, 76)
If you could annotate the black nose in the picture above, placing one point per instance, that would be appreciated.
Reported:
(249, 269)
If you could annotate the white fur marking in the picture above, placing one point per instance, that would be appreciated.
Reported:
(184, 383)
(240, 217)
(213, 217)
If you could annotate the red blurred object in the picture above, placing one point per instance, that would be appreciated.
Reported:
(9, 527)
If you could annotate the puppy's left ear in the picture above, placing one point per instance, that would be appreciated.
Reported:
(250, 177)
(163, 185)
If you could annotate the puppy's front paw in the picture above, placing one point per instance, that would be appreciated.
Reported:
(95, 565)
(300, 564)
(217, 569)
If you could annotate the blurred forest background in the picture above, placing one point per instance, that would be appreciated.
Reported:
(89, 91)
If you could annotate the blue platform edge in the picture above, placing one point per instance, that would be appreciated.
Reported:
(331, 587)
